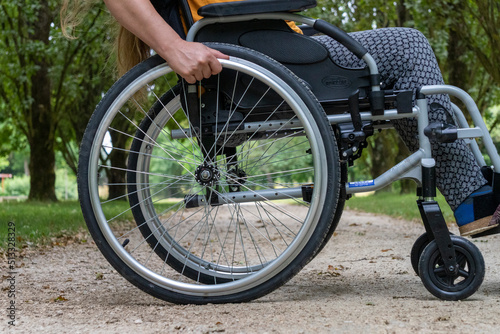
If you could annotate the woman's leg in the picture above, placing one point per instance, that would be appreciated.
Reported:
(406, 61)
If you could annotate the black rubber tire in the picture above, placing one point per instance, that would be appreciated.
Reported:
(333, 226)
(293, 267)
(417, 249)
(457, 287)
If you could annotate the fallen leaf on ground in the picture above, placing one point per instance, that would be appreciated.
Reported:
(59, 299)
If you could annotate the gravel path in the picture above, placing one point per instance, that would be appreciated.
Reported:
(361, 282)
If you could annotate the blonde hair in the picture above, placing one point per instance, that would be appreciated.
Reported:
(129, 49)
(127, 59)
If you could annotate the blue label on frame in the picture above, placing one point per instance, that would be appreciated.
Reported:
(361, 184)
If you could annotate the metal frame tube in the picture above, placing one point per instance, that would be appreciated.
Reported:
(250, 127)
(473, 112)
(240, 18)
(402, 169)
(462, 122)
(393, 174)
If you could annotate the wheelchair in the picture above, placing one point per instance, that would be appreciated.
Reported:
(221, 191)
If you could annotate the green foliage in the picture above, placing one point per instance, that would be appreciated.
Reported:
(66, 188)
(358, 15)
(49, 85)
(14, 162)
(11, 138)
(17, 186)
(4, 162)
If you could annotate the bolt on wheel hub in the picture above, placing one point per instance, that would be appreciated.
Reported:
(207, 174)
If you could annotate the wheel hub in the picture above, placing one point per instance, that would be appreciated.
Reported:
(207, 174)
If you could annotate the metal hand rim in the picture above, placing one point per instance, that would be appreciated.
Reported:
(276, 265)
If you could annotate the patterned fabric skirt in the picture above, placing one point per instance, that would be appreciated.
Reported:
(406, 61)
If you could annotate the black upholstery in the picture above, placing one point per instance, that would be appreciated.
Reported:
(254, 7)
(285, 47)
(169, 11)
(304, 56)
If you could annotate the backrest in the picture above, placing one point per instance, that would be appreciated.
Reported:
(170, 11)
(193, 10)
(217, 9)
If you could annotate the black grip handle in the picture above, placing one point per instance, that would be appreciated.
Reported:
(342, 37)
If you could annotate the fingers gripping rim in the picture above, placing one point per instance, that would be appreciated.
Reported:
(277, 272)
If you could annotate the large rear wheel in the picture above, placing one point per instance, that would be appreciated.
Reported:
(217, 192)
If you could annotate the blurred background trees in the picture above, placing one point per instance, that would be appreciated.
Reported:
(49, 85)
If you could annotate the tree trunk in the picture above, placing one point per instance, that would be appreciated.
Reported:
(402, 13)
(457, 68)
(41, 127)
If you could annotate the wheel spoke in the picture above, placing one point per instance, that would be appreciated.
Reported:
(463, 273)
(440, 271)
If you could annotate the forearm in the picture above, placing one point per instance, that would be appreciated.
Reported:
(140, 18)
(192, 61)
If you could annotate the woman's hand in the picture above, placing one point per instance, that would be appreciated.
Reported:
(192, 61)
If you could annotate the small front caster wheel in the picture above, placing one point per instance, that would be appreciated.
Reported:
(447, 286)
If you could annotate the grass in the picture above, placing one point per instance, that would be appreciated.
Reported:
(39, 224)
(396, 205)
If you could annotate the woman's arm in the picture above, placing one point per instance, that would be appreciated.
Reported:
(192, 61)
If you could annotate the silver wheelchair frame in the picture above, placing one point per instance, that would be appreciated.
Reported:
(418, 167)
(214, 281)
(411, 166)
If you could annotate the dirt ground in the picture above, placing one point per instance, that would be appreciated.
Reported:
(361, 282)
